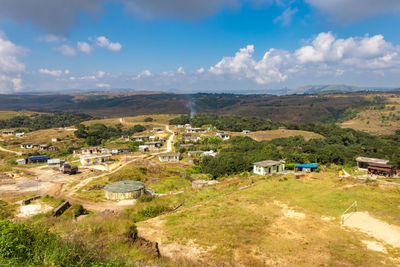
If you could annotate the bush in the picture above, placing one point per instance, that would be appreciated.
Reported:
(150, 212)
(148, 119)
(21, 244)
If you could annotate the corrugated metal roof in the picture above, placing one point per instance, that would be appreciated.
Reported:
(124, 186)
(267, 163)
(38, 157)
(372, 160)
(306, 165)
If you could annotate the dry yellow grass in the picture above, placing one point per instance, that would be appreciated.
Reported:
(158, 120)
(280, 133)
(378, 122)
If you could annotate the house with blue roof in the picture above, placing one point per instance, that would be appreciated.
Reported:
(305, 167)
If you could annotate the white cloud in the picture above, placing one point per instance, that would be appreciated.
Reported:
(103, 42)
(285, 19)
(10, 66)
(55, 73)
(103, 85)
(66, 71)
(143, 74)
(201, 70)
(326, 54)
(180, 70)
(100, 74)
(84, 47)
(66, 50)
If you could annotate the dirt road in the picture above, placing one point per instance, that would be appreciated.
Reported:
(10, 151)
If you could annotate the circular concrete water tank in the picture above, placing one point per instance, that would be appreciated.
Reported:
(124, 190)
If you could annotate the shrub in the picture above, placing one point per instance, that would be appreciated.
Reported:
(148, 119)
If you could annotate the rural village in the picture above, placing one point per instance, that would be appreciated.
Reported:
(156, 178)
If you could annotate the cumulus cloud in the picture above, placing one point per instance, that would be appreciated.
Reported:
(285, 19)
(84, 47)
(180, 70)
(345, 11)
(10, 66)
(100, 74)
(66, 50)
(333, 55)
(201, 70)
(103, 42)
(143, 74)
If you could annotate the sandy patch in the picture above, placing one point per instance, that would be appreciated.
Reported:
(327, 218)
(378, 229)
(290, 213)
(375, 246)
(126, 202)
(32, 209)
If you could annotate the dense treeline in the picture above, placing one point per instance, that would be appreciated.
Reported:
(98, 133)
(44, 121)
(340, 146)
(23, 245)
(233, 123)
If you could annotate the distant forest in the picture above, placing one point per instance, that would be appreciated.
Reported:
(288, 108)
(44, 121)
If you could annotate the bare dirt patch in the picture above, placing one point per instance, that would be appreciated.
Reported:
(378, 229)
(33, 209)
(290, 213)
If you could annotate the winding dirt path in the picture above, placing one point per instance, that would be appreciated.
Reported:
(10, 151)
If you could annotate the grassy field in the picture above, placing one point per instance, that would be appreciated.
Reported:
(279, 222)
(280, 133)
(377, 121)
(4, 115)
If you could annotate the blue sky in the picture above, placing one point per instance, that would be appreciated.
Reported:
(191, 45)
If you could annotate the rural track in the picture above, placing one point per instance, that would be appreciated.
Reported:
(10, 151)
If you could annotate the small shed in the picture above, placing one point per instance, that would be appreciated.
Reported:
(20, 134)
(54, 139)
(269, 167)
(169, 157)
(124, 190)
(246, 132)
(6, 133)
(305, 167)
(54, 162)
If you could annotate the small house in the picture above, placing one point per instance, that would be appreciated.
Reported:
(94, 159)
(198, 153)
(8, 133)
(54, 139)
(21, 161)
(119, 150)
(305, 167)
(139, 138)
(269, 167)
(26, 145)
(210, 153)
(38, 159)
(246, 132)
(382, 169)
(90, 150)
(195, 130)
(43, 147)
(169, 157)
(153, 145)
(187, 125)
(219, 133)
(364, 162)
(152, 137)
(225, 136)
(54, 162)
(144, 148)
(20, 134)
